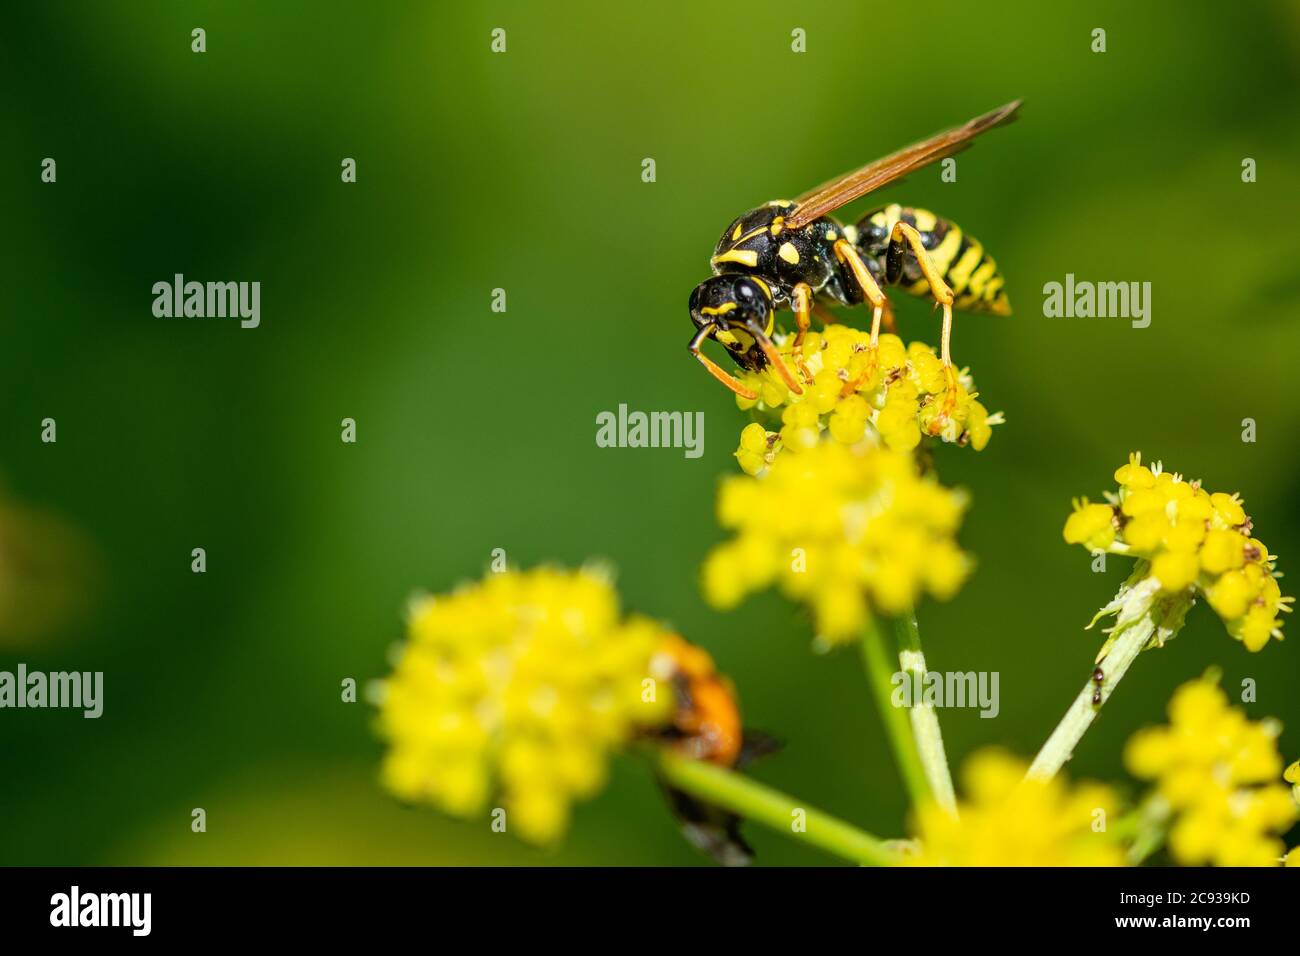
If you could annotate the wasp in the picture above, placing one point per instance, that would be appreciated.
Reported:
(794, 255)
(706, 725)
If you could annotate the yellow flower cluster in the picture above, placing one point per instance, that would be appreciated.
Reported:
(517, 689)
(846, 530)
(899, 392)
(1192, 539)
(1292, 776)
(1218, 771)
(1006, 820)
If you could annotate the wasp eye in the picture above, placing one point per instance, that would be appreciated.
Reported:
(750, 296)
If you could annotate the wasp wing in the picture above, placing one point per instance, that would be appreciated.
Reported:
(828, 197)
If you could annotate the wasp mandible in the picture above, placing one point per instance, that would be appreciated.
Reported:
(794, 255)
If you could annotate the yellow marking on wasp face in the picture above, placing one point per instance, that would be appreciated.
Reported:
(789, 253)
(766, 288)
(735, 233)
(851, 234)
(777, 225)
(925, 220)
(734, 337)
(959, 275)
(831, 235)
(746, 257)
(720, 310)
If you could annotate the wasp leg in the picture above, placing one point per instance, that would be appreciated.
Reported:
(720, 374)
(801, 301)
(773, 356)
(887, 322)
(847, 253)
(903, 233)
(826, 317)
(889, 325)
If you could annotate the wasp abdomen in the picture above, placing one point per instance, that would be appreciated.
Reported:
(961, 259)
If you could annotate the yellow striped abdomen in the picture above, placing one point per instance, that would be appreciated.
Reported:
(959, 258)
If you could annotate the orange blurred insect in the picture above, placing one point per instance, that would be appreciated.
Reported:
(706, 725)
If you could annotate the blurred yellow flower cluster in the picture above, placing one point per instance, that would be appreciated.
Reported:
(1218, 772)
(847, 530)
(1192, 539)
(899, 393)
(1292, 776)
(1006, 820)
(517, 689)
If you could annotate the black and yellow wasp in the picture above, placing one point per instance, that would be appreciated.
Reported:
(794, 255)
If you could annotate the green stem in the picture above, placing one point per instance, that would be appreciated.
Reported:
(1060, 746)
(880, 676)
(1147, 843)
(1144, 829)
(754, 801)
(925, 722)
(1152, 620)
(1145, 617)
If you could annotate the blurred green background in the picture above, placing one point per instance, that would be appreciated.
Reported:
(476, 429)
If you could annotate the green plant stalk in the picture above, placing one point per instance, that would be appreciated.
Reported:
(925, 722)
(754, 801)
(1144, 828)
(1145, 617)
(880, 674)
(1059, 747)
(1146, 844)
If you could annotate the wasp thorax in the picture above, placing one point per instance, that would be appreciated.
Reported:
(749, 240)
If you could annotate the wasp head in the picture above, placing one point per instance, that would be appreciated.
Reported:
(734, 305)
